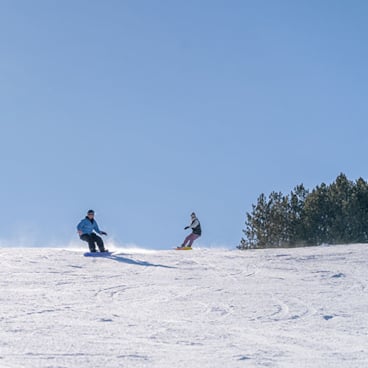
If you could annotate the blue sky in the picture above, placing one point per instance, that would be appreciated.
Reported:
(148, 110)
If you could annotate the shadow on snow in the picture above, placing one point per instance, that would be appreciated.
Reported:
(122, 259)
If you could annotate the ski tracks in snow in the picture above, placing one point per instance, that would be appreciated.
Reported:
(204, 308)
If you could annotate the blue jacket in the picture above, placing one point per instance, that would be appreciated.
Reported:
(87, 227)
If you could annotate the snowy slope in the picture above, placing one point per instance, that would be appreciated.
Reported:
(202, 308)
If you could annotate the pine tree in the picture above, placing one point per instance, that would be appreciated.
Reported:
(297, 215)
(335, 213)
(255, 231)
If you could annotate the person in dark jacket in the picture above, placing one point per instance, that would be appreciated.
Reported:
(195, 225)
(87, 230)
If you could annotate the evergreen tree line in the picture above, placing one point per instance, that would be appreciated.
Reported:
(332, 214)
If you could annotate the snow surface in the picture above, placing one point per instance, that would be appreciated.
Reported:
(201, 308)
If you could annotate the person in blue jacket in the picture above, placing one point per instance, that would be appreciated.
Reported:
(87, 230)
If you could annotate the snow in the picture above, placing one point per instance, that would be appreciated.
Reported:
(202, 308)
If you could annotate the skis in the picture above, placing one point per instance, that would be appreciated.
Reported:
(183, 248)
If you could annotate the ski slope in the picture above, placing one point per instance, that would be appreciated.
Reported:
(202, 308)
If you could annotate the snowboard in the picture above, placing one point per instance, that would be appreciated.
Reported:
(183, 248)
(97, 254)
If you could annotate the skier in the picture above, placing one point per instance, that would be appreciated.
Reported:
(87, 230)
(195, 225)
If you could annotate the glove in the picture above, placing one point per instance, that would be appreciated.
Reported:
(103, 233)
(186, 228)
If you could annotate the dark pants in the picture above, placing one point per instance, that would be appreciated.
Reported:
(92, 239)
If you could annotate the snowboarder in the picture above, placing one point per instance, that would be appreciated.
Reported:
(87, 230)
(195, 225)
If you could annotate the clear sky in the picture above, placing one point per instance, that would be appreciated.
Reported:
(148, 110)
